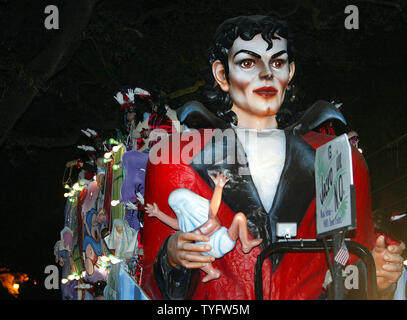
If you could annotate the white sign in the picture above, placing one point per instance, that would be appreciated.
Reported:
(334, 181)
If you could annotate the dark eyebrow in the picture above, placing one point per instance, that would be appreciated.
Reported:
(254, 54)
(278, 54)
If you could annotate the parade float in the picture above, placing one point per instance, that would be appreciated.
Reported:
(298, 191)
(100, 249)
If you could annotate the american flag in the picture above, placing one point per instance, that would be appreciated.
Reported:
(342, 256)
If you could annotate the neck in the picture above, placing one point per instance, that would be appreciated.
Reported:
(250, 121)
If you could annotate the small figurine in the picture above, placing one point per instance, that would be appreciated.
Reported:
(353, 137)
(123, 239)
(91, 244)
(135, 103)
(134, 166)
(197, 214)
(101, 172)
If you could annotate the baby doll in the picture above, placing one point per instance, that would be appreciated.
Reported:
(197, 214)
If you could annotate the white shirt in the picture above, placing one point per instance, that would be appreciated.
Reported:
(265, 152)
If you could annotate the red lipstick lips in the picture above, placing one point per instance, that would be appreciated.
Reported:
(266, 91)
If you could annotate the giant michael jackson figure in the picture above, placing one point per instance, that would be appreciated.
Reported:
(271, 174)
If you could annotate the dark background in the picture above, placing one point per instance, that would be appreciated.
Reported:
(55, 82)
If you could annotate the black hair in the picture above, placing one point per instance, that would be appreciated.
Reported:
(159, 99)
(245, 27)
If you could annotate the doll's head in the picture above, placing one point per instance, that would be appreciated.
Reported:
(252, 62)
(247, 27)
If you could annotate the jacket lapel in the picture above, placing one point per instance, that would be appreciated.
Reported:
(297, 182)
(296, 188)
(227, 155)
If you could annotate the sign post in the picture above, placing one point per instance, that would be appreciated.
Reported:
(335, 200)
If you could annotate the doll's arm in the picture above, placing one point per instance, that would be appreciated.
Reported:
(154, 211)
(220, 180)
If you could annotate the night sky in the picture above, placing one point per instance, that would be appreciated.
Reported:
(156, 44)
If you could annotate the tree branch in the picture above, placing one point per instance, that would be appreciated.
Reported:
(385, 3)
(74, 19)
(47, 142)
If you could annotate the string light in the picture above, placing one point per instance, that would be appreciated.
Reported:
(115, 167)
(77, 187)
(113, 141)
(114, 203)
(116, 148)
(64, 281)
(113, 259)
(107, 155)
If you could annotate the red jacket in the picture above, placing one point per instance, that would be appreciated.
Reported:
(297, 276)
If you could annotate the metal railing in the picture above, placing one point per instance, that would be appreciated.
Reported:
(316, 245)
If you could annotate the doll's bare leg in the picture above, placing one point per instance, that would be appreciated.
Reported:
(211, 273)
(238, 229)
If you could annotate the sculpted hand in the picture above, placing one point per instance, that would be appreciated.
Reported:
(183, 251)
(145, 133)
(220, 180)
(389, 263)
(131, 206)
(140, 198)
(152, 210)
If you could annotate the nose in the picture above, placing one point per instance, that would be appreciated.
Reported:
(266, 73)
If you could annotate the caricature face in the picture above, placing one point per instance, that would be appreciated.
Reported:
(119, 229)
(354, 140)
(258, 77)
(130, 116)
(95, 232)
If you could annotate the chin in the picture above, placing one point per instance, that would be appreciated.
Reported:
(266, 111)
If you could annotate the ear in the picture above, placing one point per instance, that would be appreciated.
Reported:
(292, 71)
(219, 74)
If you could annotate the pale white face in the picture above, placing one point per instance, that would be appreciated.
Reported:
(258, 77)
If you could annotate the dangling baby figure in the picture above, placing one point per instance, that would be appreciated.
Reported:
(199, 215)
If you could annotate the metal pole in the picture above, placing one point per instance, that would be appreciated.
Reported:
(338, 288)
